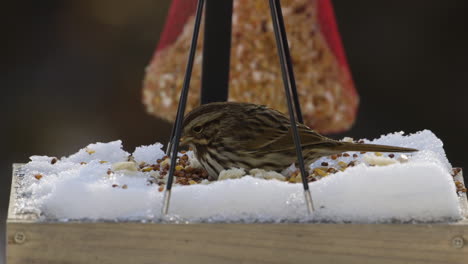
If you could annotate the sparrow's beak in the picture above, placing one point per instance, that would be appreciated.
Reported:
(185, 140)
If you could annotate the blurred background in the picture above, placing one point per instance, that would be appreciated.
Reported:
(72, 74)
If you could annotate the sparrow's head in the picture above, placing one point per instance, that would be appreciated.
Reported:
(202, 124)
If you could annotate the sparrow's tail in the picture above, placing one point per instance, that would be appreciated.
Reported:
(348, 146)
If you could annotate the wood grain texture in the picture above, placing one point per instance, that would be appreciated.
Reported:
(235, 243)
(30, 241)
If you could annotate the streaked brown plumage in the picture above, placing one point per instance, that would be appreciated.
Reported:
(243, 135)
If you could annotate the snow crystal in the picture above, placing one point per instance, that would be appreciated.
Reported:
(233, 173)
(96, 183)
(148, 154)
(269, 175)
(373, 159)
(111, 152)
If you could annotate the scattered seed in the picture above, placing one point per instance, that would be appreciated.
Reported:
(345, 155)
(115, 185)
(147, 169)
(378, 154)
(124, 186)
(103, 161)
(298, 178)
(391, 155)
(82, 163)
(300, 9)
(178, 168)
(90, 151)
(264, 27)
(342, 164)
(333, 157)
(320, 172)
(38, 176)
(53, 161)
(161, 188)
(355, 155)
(455, 171)
(324, 163)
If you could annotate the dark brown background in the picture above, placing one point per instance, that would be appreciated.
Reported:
(71, 74)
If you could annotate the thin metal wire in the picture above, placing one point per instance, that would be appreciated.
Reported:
(177, 129)
(289, 64)
(289, 81)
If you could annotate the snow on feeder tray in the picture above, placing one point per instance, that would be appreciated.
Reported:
(103, 205)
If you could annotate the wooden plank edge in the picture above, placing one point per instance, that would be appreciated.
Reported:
(13, 192)
(236, 243)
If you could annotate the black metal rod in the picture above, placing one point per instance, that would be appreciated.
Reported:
(288, 80)
(216, 51)
(183, 97)
(289, 63)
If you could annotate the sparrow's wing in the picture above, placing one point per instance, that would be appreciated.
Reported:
(264, 129)
(273, 139)
(254, 136)
(307, 136)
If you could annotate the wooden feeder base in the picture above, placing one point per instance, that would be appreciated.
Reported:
(30, 241)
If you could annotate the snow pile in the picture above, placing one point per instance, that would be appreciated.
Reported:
(417, 188)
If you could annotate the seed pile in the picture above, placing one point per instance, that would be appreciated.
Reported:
(184, 174)
(255, 75)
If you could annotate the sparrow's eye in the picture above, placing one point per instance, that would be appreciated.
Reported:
(197, 129)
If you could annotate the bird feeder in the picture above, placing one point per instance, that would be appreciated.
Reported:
(241, 53)
(31, 240)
